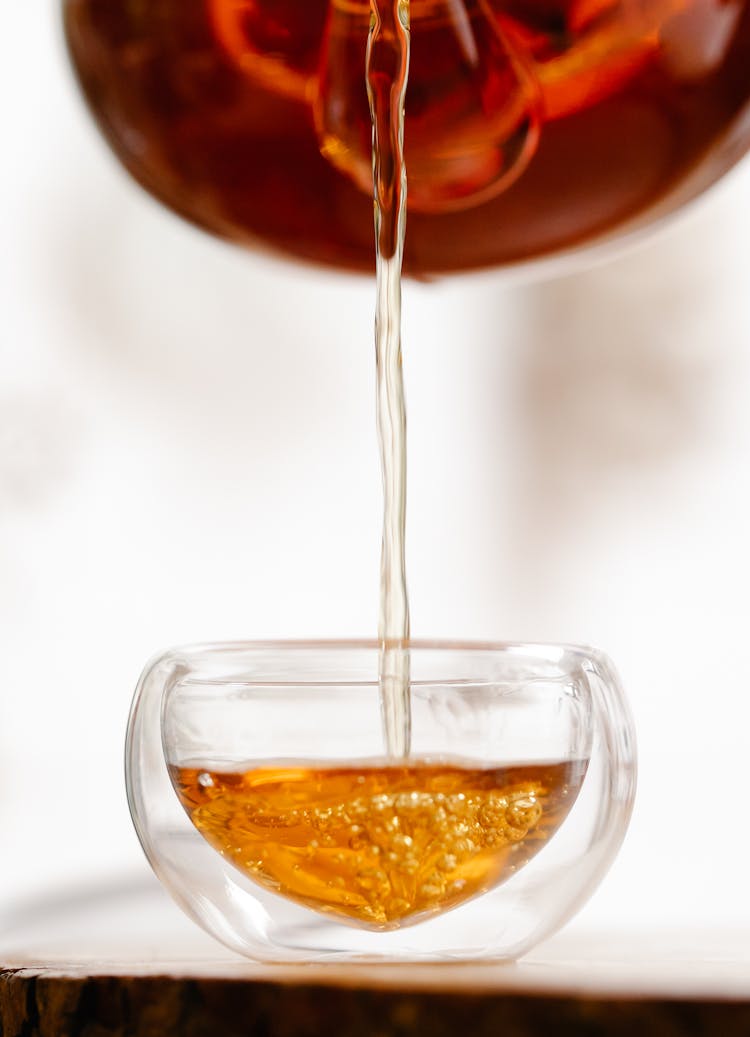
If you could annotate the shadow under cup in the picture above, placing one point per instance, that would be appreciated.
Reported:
(264, 799)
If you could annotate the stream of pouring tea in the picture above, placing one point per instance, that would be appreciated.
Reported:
(387, 73)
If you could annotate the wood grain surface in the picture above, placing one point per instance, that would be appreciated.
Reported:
(125, 963)
(32, 1003)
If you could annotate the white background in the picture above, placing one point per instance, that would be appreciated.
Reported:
(187, 452)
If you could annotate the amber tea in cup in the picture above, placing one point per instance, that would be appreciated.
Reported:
(266, 803)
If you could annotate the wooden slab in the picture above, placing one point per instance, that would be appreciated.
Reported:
(125, 963)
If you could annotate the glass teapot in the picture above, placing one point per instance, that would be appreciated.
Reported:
(533, 126)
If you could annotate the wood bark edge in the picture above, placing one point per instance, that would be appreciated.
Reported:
(33, 1004)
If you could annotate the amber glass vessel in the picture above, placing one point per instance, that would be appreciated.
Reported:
(532, 126)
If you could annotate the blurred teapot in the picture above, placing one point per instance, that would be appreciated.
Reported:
(533, 127)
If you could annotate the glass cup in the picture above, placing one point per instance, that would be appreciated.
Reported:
(264, 800)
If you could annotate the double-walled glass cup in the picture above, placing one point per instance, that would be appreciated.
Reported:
(266, 804)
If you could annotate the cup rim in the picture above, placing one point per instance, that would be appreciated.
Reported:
(565, 659)
(346, 644)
